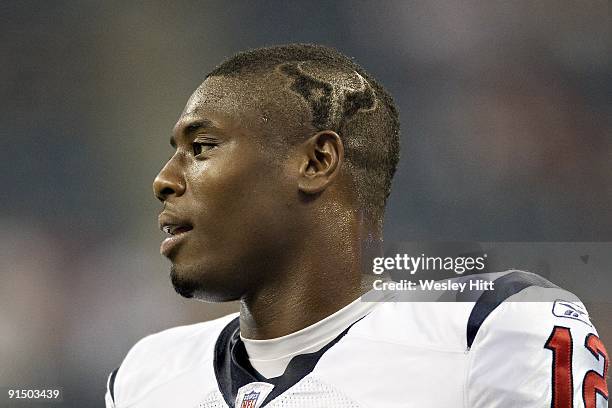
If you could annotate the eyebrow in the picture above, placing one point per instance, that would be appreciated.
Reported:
(191, 127)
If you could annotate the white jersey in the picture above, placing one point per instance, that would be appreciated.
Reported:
(501, 350)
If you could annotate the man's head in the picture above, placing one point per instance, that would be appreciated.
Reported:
(275, 146)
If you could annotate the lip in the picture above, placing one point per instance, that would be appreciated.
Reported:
(177, 227)
(169, 244)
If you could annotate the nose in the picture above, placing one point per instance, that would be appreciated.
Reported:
(169, 182)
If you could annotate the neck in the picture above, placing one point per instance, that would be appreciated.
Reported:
(307, 289)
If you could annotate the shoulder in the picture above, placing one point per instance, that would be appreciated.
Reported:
(524, 305)
(526, 299)
(175, 343)
(531, 344)
(518, 308)
(524, 342)
(160, 357)
(452, 316)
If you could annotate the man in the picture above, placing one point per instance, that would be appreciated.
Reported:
(277, 188)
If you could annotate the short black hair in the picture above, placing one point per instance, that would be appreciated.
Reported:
(344, 98)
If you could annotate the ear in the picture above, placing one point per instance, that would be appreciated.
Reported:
(323, 154)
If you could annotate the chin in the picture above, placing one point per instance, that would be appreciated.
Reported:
(195, 282)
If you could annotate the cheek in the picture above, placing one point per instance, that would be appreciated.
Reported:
(242, 202)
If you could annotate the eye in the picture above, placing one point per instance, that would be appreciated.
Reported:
(200, 147)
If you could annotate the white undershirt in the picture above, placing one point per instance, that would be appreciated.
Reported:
(270, 357)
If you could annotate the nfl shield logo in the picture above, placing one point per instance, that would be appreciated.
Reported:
(249, 400)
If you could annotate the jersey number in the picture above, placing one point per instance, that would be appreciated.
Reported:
(560, 343)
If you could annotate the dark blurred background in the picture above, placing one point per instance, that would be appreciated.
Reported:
(506, 112)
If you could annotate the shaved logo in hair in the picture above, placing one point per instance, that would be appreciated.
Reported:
(318, 94)
(358, 99)
(331, 104)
